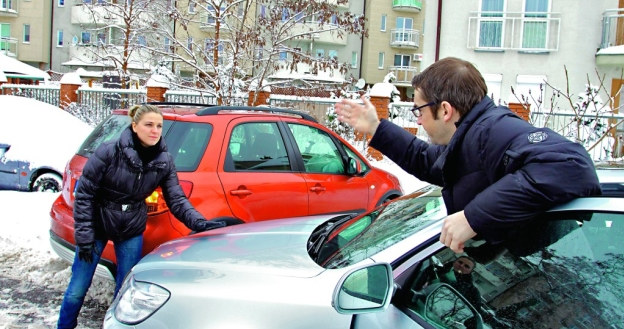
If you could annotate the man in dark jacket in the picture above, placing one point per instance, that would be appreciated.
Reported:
(497, 170)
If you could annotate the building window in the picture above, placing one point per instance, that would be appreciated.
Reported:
(494, 84)
(189, 43)
(491, 24)
(262, 11)
(333, 54)
(402, 60)
(26, 33)
(383, 23)
(142, 41)
(534, 28)
(404, 27)
(59, 38)
(320, 53)
(61, 3)
(283, 55)
(85, 38)
(191, 7)
(101, 37)
(6, 4)
(5, 36)
(354, 59)
(380, 60)
(285, 14)
(167, 45)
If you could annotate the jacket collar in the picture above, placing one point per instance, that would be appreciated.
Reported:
(126, 145)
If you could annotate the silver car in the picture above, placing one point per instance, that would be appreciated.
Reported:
(385, 269)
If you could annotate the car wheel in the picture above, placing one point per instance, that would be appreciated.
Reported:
(47, 182)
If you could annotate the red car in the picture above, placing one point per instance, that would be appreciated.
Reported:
(250, 163)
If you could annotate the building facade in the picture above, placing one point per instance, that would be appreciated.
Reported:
(395, 43)
(526, 45)
(25, 31)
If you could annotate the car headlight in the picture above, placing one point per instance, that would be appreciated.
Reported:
(138, 300)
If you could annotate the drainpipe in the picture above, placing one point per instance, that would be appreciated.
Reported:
(437, 46)
(362, 43)
(51, 36)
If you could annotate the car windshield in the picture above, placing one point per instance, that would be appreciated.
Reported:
(373, 232)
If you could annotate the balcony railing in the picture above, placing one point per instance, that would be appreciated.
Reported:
(405, 38)
(522, 31)
(407, 5)
(8, 46)
(403, 74)
(612, 28)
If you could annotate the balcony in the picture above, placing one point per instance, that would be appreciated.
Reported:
(611, 51)
(95, 15)
(403, 74)
(520, 31)
(410, 6)
(8, 46)
(8, 8)
(325, 37)
(405, 38)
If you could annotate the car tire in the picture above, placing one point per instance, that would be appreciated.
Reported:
(48, 182)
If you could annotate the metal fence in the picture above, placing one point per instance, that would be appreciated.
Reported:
(197, 97)
(103, 101)
(45, 93)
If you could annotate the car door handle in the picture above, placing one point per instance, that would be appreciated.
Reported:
(241, 191)
(318, 188)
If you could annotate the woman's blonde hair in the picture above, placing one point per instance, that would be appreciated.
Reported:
(136, 112)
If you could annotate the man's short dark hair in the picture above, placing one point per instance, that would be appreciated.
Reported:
(453, 80)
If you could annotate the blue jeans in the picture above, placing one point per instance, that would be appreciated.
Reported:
(127, 252)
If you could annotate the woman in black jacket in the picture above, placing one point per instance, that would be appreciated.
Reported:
(110, 203)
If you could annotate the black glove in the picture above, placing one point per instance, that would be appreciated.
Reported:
(218, 222)
(205, 225)
(85, 252)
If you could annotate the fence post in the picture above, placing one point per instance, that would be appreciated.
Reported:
(381, 104)
(262, 99)
(521, 110)
(157, 86)
(70, 82)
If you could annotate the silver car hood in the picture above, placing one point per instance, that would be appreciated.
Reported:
(275, 247)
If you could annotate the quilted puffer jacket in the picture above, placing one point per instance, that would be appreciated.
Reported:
(110, 198)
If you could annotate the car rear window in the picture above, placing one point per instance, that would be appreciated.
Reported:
(186, 141)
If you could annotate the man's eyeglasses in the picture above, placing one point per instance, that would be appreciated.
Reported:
(417, 109)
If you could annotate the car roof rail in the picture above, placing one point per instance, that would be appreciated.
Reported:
(212, 110)
(177, 104)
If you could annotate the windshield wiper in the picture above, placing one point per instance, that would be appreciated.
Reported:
(318, 237)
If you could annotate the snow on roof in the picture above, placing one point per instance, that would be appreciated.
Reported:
(616, 50)
(17, 69)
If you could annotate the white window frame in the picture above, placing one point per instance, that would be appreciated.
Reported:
(546, 16)
(24, 34)
(524, 83)
(59, 38)
(60, 3)
(484, 18)
(384, 23)
(354, 59)
(381, 60)
(494, 83)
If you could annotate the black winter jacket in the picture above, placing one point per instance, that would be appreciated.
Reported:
(497, 167)
(115, 175)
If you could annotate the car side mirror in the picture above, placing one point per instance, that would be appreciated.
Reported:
(4, 148)
(354, 167)
(363, 290)
(446, 307)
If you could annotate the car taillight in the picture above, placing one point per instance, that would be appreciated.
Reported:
(156, 202)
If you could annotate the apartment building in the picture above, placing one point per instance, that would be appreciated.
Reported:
(90, 34)
(525, 44)
(394, 44)
(25, 31)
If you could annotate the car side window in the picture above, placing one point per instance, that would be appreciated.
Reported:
(187, 142)
(565, 270)
(258, 146)
(319, 153)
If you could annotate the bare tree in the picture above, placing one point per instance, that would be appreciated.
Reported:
(122, 31)
(245, 41)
